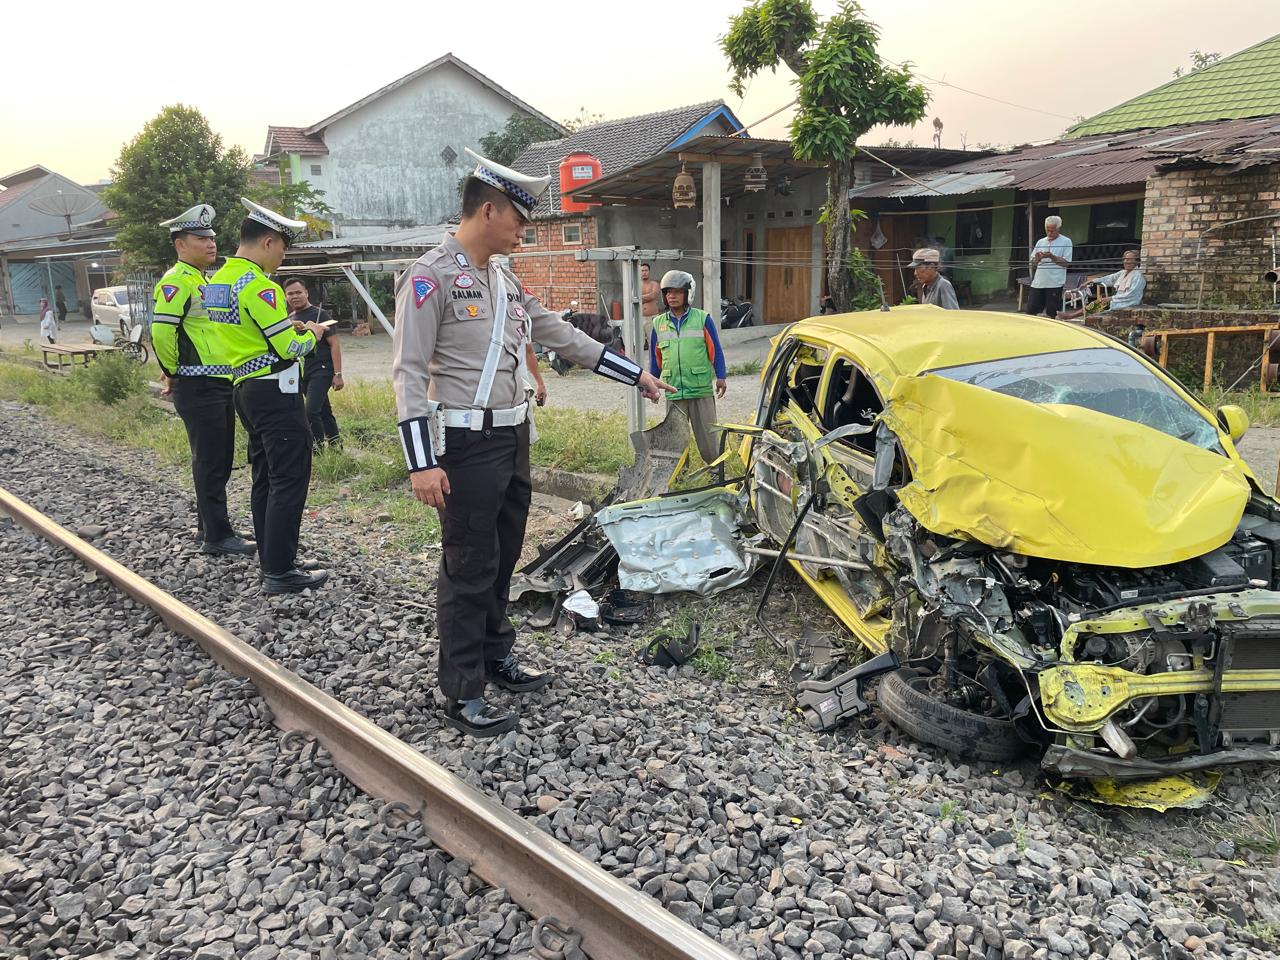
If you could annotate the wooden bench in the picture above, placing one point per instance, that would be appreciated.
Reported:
(67, 356)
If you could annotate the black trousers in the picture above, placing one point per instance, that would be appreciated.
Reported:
(207, 410)
(1046, 300)
(280, 457)
(482, 534)
(315, 387)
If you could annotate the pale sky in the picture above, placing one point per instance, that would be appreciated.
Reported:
(80, 79)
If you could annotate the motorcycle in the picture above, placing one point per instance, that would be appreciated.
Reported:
(735, 313)
(128, 341)
(595, 325)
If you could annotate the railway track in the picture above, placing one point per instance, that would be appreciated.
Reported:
(581, 909)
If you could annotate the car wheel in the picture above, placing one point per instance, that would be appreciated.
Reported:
(909, 703)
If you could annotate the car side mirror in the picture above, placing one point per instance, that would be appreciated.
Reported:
(1233, 420)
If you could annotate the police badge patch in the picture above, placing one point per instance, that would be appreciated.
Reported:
(423, 287)
(169, 291)
(268, 297)
(464, 280)
(463, 262)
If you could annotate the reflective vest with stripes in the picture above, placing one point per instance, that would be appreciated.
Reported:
(258, 335)
(685, 363)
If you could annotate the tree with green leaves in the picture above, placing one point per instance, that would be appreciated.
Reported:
(503, 146)
(845, 90)
(299, 200)
(175, 162)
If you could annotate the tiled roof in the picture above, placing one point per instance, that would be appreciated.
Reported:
(618, 144)
(1098, 161)
(9, 194)
(295, 140)
(1245, 84)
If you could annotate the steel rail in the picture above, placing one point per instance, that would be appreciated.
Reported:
(542, 875)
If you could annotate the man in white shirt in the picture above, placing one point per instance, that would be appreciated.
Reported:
(1049, 261)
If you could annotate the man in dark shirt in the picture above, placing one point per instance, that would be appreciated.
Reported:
(322, 370)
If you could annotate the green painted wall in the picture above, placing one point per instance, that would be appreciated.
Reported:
(989, 273)
(1075, 224)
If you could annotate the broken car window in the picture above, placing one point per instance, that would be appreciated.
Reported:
(1100, 379)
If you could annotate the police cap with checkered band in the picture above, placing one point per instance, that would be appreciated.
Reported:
(198, 221)
(291, 230)
(522, 190)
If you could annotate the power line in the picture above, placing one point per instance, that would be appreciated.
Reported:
(984, 96)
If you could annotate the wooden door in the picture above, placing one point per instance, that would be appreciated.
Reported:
(788, 252)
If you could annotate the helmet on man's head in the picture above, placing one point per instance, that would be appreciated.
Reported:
(678, 280)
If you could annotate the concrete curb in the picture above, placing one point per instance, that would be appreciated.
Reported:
(571, 486)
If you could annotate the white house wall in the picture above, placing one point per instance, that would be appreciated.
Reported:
(384, 167)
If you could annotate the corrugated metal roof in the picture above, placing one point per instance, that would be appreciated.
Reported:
(1245, 84)
(1101, 161)
(409, 238)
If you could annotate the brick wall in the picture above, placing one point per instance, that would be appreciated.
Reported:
(1180, 206)
(556, 280)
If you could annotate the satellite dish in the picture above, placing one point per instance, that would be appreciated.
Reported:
(65, 205)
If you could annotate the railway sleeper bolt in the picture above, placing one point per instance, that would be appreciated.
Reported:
(553, 939)
(395, 815)
(293, 740)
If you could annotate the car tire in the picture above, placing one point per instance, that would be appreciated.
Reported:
(906, 701)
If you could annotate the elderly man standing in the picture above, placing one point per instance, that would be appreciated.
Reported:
(1049, 261)
(934, 287)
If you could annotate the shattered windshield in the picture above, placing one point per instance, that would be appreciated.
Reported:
(1097, 378)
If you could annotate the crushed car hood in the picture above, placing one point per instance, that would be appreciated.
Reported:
(1057, 481)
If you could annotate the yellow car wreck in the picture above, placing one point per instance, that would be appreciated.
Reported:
(1060, 544)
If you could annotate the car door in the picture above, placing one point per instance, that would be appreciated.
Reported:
(806, 468)
(103, 308)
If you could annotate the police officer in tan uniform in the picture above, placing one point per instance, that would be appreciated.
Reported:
(462, 321)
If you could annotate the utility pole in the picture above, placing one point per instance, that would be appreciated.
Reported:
(632, 311)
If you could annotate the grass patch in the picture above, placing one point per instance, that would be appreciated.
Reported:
(1263, 408)
(715, 638)
(1258, 833)
(582, 441)
(744, 369)
(951, 811)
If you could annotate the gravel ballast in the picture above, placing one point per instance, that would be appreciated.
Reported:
(149, 807)
(711, 796)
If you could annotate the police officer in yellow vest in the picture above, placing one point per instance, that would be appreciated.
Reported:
(265, 353)
(187, 350)
(684, 348)
(462, 322)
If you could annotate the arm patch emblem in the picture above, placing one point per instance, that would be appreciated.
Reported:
(423, 287)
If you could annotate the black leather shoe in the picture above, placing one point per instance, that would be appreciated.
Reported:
(295, 581)
(478, 717)
(307, 565)
(509, 675)
(232, 546)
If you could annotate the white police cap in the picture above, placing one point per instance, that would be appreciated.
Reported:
(291, 230)
(522, 190)
(198, 221)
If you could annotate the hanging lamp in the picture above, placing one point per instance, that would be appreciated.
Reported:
(683, 192)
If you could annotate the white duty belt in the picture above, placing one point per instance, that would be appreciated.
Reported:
(474, 419)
